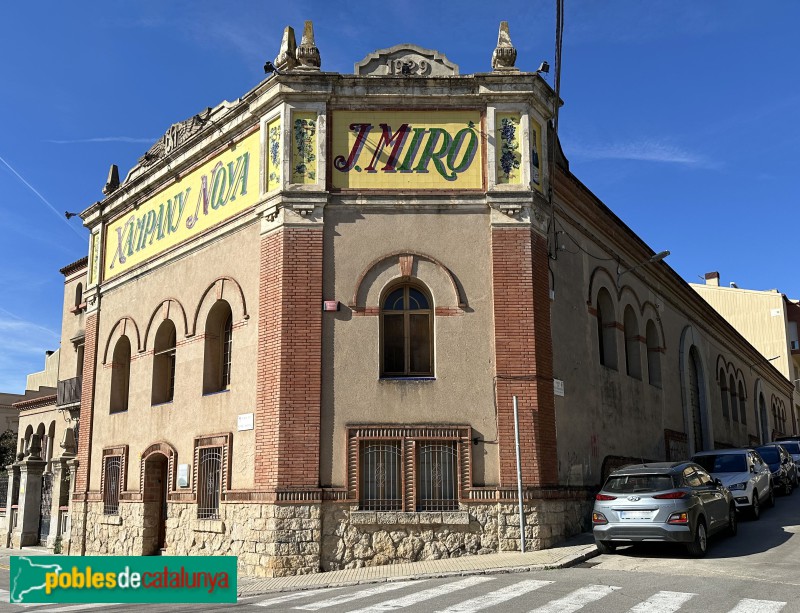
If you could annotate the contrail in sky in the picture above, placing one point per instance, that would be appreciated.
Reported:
(42, 198)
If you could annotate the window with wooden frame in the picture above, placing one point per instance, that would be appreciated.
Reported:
(112, 478)
(164, 364)
(218, 348)
(409, 468)
(120, 375)
(406, 332)
(212, 473)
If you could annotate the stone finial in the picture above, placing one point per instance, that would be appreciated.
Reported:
(68, 443)
(307, 53)
(505, 54)
(286, 59)
(35, 447)
(112, 183)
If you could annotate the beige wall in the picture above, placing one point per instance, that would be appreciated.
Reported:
(47, 420)
(47, 377)
(191, 414)
(73, 322)
(353, 392)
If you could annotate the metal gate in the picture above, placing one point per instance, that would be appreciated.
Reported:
(45, 507)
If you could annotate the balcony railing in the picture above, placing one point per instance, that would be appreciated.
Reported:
(68, 392)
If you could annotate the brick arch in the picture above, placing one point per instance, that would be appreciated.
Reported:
(389, 268)
(650, 312)
(125, 326)
(168, 451)
(234, 297)
(167, 310)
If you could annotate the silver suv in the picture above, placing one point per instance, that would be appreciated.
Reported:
(675, 502)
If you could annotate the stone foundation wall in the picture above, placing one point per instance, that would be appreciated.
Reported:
(279, 540)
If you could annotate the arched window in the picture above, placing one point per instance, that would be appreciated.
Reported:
(732, 392)
(606, 329)
(218, 349)
(78, 295)
(742, 404)
(723, 392)
(406, 332)
(653, 354)
(696, 408)
(164, 363)
(120, 375)
(633, 358)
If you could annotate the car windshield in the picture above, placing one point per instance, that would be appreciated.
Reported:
(792, 447)
(722, 463)
(770, 454)
(628, 484)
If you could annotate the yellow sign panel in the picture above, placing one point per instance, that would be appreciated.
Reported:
(408, 150)
(215, 191)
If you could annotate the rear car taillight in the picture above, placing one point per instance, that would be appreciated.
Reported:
(604, 497)
(599, 518)
(678, 518)
(671, 495)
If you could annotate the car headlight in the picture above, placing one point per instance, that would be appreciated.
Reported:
(738, 486)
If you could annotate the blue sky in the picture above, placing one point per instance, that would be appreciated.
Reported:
(682, 116)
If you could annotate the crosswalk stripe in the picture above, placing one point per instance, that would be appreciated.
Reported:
(577, 599)
(495, 598)
(337, 600)
(748, 605)
(79, 607)
(663, 602)
(288, 596)
(412, 599)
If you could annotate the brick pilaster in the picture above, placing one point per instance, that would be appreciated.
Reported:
(524, 355)
(289, 359)
(87, 406)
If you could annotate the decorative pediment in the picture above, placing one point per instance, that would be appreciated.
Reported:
(177, 134)
(406, 61)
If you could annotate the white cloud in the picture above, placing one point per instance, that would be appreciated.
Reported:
(644, 151)
(24, 344)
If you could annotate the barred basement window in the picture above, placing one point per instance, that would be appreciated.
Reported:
(380, 476)
(438, 477)
(209, 482)
(111, 485)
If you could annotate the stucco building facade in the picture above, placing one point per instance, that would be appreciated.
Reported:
(308, 312)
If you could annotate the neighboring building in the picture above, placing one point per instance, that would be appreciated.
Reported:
(308, 312)
(769, 320)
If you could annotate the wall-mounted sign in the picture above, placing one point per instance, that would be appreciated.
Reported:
(217, 190)
(409, 150)
(183, 475)
(558, 387)
(245, 422)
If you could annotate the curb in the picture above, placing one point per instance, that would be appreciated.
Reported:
(591, 552)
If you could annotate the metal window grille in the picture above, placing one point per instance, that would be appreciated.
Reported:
(380, 476)
(111, 485)
(3, 488)
(209, 482)
(227, 344)
(437, 466)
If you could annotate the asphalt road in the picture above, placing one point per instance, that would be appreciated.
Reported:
(755, 572)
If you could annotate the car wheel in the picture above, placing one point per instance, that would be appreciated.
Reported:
(771, 497)
(733, 525)
(787, 488)
(755, 508)
(605, 547)
(698, 547)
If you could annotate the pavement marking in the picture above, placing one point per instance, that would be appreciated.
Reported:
(663, 602)
(286, 597)
(434, 592)
(748, 605)
(495, 598)
(79, 607)
(337, 600)
(577, 599)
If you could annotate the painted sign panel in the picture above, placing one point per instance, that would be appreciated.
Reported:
(536, 147)
(304, 148)
(425, 150)
(508, 154)
(217, 190)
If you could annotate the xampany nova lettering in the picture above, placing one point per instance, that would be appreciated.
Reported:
(412, 149)
(217, 188)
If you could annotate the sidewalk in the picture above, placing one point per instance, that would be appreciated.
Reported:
(572, 551)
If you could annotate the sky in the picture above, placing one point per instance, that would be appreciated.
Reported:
(682, 116)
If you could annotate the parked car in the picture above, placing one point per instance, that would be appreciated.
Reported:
(675, 502)
(792, 445)
(744, 473)
(781, 465)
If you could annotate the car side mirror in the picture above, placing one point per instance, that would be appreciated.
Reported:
(753, 469)
(718, 482)
(785, 461)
